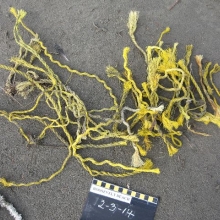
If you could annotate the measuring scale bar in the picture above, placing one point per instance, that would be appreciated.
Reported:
(107, 201)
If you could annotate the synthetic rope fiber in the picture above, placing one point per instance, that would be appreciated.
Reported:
(156, 116)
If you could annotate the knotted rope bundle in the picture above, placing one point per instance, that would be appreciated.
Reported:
(154, 119)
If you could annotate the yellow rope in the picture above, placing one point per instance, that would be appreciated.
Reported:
(154, 115)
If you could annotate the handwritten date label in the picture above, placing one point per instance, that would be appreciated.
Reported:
(114, 207)
(107, 201)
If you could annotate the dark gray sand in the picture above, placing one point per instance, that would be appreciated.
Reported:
(93, 34)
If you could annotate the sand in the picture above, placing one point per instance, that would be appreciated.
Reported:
(93, 34)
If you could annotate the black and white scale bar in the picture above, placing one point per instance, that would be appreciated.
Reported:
(107, 201)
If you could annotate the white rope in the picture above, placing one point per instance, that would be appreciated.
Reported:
(10, 208)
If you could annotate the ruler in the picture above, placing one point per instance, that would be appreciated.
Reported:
(107, 201)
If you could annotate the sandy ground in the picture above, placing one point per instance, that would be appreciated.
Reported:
(189, 183)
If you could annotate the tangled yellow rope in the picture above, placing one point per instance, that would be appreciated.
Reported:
(153, 118)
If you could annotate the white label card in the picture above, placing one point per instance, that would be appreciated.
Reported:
(110, 193)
